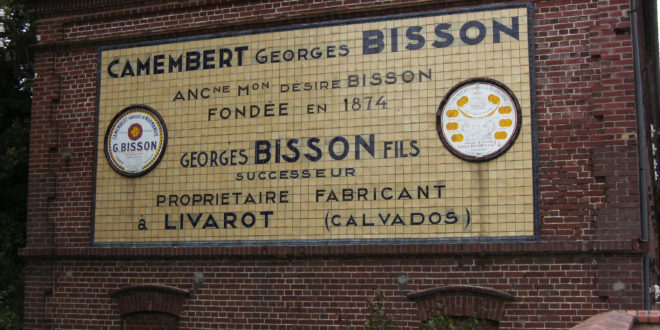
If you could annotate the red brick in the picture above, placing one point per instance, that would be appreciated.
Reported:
(587, 178)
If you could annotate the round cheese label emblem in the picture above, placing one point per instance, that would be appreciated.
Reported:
(478, 119)
(135, 140)
(135, 131)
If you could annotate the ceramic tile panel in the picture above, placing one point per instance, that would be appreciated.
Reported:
(334, 132)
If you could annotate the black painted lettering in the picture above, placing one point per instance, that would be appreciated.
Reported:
(372, 42)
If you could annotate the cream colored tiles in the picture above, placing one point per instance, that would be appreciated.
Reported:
(322, 133)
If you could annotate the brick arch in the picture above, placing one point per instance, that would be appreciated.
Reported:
(462, 301)
(150, 299)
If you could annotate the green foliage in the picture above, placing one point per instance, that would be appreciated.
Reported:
(378, 317)
(16, 72)
(439, 320)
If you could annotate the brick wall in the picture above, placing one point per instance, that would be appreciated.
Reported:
(587, 258)
(550, 291)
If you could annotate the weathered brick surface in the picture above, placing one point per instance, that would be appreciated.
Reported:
(586, 260)
(614, 320)
(550, 292)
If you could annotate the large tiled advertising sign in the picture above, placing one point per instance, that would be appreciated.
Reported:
(414, 128)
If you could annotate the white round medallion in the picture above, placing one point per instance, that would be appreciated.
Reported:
(478, 119)
(135, 140)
